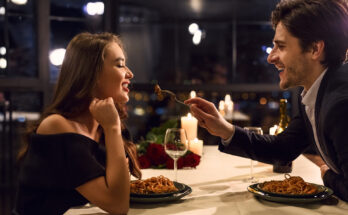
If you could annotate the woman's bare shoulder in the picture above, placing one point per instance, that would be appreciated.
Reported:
(55, 124)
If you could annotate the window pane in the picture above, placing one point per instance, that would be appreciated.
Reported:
(63, 31)
(166, 53)
(252, 66)
(67, 8)
(25, 9)
(22, 47)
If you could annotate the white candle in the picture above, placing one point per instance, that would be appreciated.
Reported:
(196, 146)
(192, 94)
(228, 107)
(273, 129)
(222, 107)
(189, 123)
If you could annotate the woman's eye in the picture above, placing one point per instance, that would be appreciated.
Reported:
(120, 66)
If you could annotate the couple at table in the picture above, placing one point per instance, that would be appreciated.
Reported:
(80, 151)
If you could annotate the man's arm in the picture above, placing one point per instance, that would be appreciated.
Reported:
(268, 148)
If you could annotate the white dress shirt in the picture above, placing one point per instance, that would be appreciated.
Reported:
(309, 99)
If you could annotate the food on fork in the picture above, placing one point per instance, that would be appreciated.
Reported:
(159, 184)
(158, 92)
(290, 185)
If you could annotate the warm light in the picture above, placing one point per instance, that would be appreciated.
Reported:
(263, 101)
(228, 98)
(196, 5)
(196, 39)
(19, 2)
(192, 94)
(57, 56)
(3, 63)
(139, 111)
(189, 123)
(193, 28)
(221, 105)
(2, 50)
(95, 8)
(2, 10)
(272, 130)
(196, 146)
(138, 96)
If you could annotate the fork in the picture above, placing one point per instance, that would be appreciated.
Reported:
(173, 96)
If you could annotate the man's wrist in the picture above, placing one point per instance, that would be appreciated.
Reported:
(228, 133)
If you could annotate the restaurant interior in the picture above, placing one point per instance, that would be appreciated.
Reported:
(215, 49)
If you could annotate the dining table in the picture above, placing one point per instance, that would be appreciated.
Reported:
(219, 187)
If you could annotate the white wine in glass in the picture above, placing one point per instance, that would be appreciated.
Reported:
(175, 145)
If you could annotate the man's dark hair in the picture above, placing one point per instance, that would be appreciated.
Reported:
(315, 20)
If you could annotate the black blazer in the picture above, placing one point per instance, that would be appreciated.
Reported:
(331, 115)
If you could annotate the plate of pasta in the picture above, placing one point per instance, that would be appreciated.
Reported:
(292, 189)
(157, 189)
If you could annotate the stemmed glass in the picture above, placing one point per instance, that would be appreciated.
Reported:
(256, 130)
(175, 145)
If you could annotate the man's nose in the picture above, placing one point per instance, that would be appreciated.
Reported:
(271, 57)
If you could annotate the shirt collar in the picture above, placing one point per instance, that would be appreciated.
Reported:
(309, 97)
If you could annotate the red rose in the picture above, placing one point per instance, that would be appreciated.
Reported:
(191, 160)
(170, 163)
(156, 154)
(144, 162)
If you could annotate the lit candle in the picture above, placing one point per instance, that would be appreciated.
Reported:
(189, 123)
(273, 129)
(192, 94)
(222, 107)
(196, 146)
(228, 107)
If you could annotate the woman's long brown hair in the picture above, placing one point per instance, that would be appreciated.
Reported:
(83, 62)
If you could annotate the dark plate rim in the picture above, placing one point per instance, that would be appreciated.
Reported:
(178, 185)
(290, 198)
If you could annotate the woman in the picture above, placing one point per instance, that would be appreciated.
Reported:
(77, 153)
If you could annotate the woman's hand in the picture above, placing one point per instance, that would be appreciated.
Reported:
(105, 112)
(209, 118)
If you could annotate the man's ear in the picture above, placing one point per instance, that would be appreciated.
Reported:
(318, 50)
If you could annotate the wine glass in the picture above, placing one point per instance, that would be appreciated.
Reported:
(175, 145)
(256, 130)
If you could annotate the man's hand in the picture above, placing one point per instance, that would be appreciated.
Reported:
(209, 117)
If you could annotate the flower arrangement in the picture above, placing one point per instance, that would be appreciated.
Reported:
(151, 152)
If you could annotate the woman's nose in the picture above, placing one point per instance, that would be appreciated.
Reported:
(129, 73)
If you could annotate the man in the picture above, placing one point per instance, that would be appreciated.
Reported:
(310, 45)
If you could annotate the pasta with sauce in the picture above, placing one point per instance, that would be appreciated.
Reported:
(159, 184)
(290, 185)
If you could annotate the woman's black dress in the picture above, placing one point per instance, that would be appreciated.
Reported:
(51, 170)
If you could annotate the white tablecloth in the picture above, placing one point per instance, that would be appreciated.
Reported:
(218, 187)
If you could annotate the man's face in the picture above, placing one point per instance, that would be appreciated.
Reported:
(289, 58)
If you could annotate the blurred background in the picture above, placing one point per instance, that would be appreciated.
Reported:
(216, 48)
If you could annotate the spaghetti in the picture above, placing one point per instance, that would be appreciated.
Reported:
(159, 184)
(290, 185)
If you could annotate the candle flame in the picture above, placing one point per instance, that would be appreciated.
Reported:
(192, 94)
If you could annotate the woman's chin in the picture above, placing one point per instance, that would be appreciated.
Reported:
(122, 100)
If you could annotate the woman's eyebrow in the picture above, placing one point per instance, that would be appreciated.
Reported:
(119, 59)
